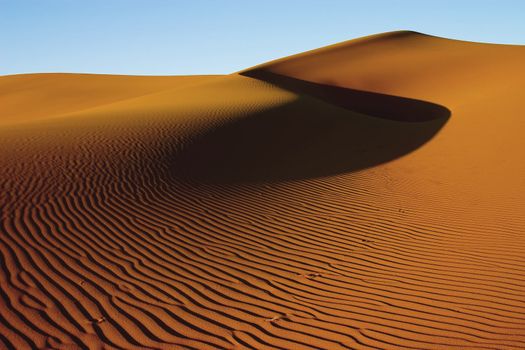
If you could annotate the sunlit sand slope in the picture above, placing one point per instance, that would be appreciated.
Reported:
(27, 97)
(368, 195)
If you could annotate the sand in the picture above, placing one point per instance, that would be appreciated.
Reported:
(366, 195)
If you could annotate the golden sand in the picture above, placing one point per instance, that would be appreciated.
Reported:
(366, 195)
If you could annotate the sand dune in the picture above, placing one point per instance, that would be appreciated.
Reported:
(366, 195)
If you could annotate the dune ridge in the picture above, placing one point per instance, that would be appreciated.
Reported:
(132, 216)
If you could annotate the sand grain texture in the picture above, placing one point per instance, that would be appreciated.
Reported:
(367, 195)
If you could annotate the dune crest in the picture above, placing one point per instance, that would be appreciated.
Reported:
(366, 195)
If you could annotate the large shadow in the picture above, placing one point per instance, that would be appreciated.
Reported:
(310, 137)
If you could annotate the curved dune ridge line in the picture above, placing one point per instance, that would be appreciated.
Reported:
(284, 207)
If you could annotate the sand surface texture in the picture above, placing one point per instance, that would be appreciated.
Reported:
(366, 195)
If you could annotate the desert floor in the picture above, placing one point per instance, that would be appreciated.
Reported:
(366, 195)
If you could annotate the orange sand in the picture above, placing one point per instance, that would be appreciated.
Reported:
(366, 195)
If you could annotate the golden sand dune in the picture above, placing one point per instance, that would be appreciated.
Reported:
(367, 195)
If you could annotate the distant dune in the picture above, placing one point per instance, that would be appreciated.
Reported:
(365, 195)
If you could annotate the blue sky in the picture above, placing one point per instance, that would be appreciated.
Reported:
(176, 37)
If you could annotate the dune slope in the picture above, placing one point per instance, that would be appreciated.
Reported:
(367, 195)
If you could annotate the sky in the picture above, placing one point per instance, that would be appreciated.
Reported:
(181, 37)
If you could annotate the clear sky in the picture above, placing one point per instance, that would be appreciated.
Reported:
(175, 37)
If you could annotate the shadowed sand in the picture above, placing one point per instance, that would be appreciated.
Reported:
(364, 102)
(366, 195)
(308, 138)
